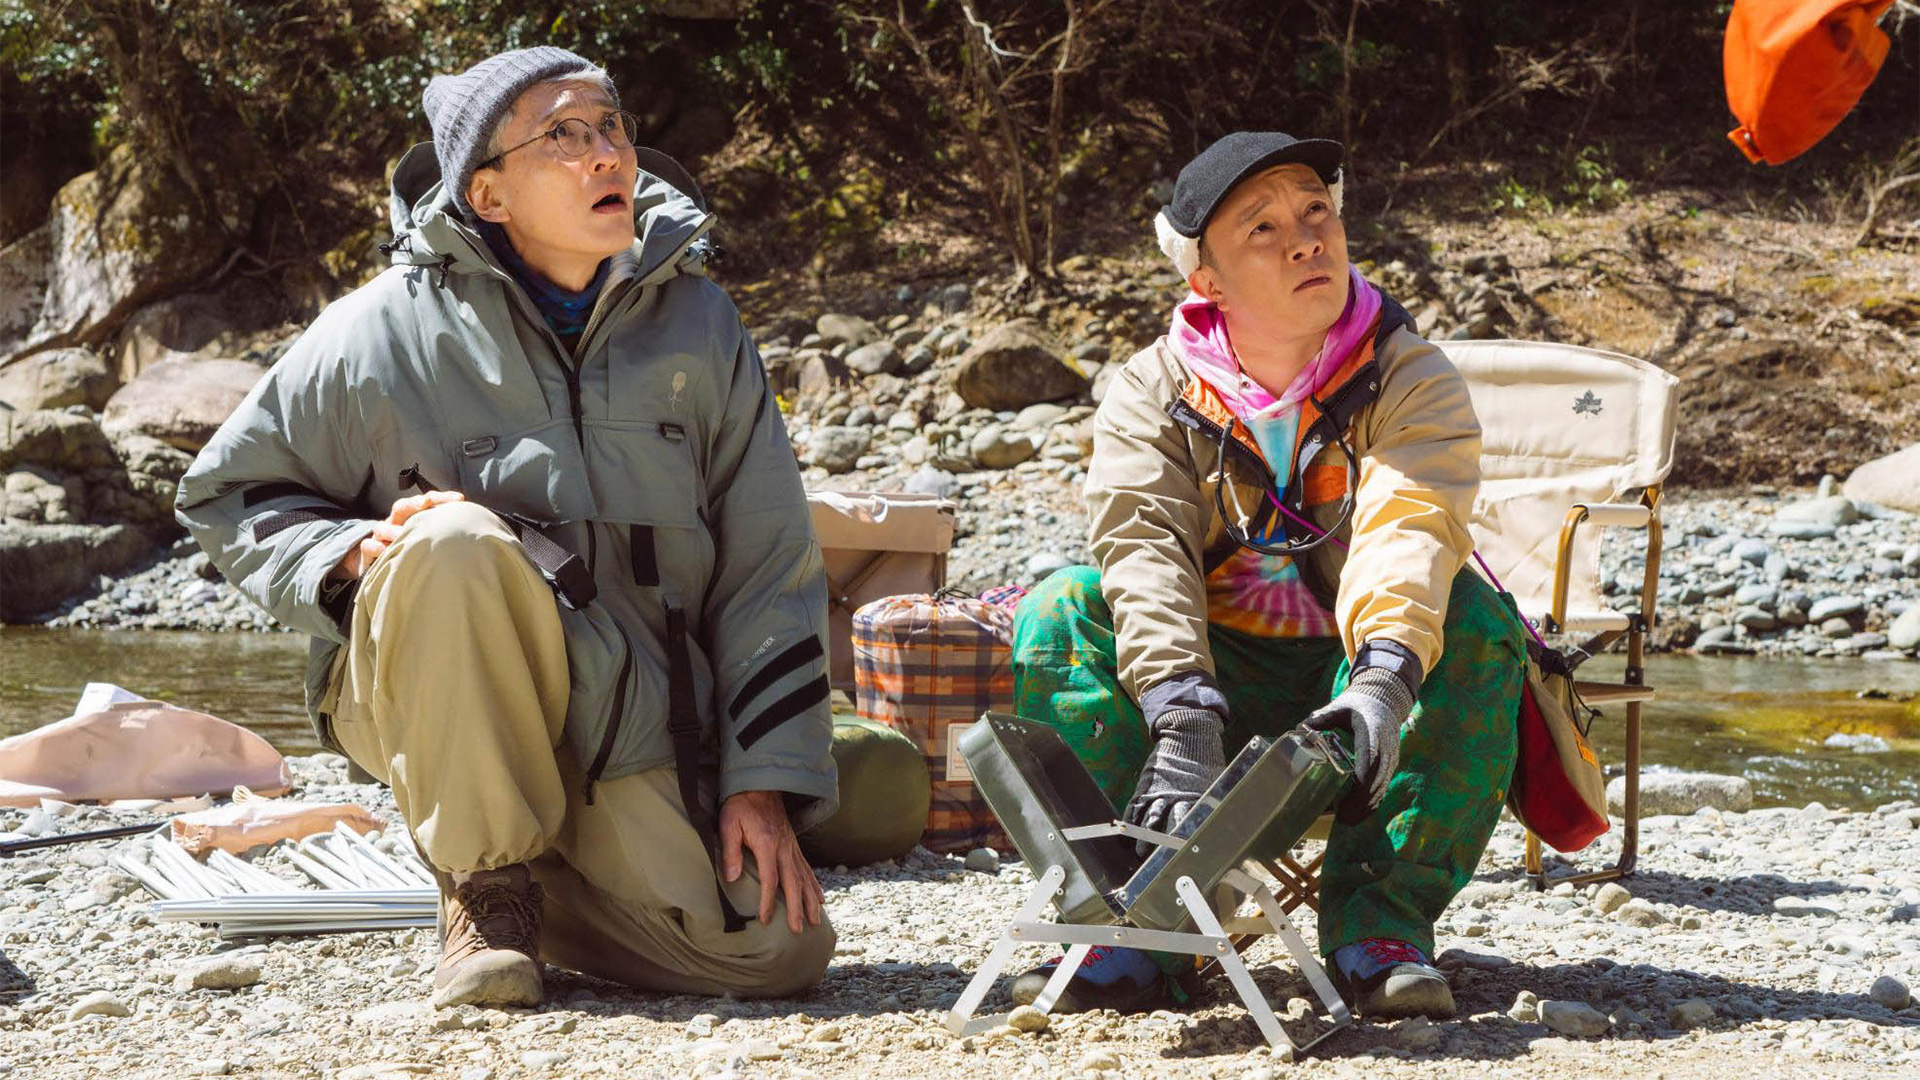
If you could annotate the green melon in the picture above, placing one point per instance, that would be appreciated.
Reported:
(884, 795)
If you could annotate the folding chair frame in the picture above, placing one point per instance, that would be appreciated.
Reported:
(1632, 690)
(1212, 942)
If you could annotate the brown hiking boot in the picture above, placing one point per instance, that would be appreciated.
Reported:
(489, 940)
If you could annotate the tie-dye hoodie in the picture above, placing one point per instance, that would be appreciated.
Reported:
(1251, 592)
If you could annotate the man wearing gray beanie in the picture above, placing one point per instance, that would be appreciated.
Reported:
(530, 495)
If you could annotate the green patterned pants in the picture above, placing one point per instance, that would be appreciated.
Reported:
(1389, 875)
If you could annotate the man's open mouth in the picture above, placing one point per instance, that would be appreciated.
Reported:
(610, 202)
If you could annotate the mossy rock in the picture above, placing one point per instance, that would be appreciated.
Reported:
(885, 792)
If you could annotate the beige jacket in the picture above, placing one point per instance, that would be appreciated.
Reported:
(1158, 534)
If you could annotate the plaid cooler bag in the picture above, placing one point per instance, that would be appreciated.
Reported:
(928, 666)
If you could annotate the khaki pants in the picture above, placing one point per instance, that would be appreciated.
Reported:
(454, 689)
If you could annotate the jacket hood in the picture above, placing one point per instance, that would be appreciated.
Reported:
(669, 225)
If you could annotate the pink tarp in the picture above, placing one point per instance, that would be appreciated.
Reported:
(136, 750)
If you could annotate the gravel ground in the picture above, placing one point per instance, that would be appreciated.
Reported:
(1771, 943)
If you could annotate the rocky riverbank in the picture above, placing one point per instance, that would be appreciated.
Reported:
(1775, 942)
(1815, 574)
(1759, 572)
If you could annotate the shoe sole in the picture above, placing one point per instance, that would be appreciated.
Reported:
(499, 978)
(1409, 995)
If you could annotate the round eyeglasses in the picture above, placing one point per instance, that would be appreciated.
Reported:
(1288, 547)
(574, 137)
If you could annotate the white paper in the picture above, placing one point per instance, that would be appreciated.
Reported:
(99, 695)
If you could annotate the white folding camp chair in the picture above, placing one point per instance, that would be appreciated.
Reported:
(1573, 440)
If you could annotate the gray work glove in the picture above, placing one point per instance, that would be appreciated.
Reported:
(1371, 708)
(1185, 758)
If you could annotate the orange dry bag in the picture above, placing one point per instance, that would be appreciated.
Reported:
(1794, 69)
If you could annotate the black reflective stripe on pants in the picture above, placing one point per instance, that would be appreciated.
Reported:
(683, 724)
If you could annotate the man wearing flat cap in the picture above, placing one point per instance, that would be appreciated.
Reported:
(1279, 493)
(529, 494)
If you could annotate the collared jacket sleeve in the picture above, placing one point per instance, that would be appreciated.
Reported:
(1419, 474)
(766, 606)
(274, 497)
(1147, 523)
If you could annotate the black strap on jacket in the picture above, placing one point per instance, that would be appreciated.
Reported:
(683, 724)
(572, 581)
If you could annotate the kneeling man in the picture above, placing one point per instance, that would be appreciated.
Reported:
(530, 495)
(1279, 494)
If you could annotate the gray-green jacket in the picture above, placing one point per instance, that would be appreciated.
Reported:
(658, 455)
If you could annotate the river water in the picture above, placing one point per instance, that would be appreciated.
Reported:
(1765, 718)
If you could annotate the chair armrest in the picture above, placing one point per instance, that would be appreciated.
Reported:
(1617, 515)
(1643, 514)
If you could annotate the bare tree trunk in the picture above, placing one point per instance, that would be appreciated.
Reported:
(1013, 167)
(1346, 79)
(1458, 88)
(1056, 106)
(970, 122)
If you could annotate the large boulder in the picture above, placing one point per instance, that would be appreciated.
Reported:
(819, 374)
(36, 494)
(59, 441)
(1016, 365)
(123, 234)
(41, 565)
(57, 378)
(59, 468)
(1682, 793)
(849, 330)
(140, 486)
(1892, 481)
(23, 286)
(837, 448)
(244, 323)
(181, 402)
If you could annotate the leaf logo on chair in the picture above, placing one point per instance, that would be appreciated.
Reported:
(1588, 402)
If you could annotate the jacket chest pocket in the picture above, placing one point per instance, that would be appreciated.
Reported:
(643, 473)
(538, 474)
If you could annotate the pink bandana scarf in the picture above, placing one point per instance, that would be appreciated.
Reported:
(1199, 337)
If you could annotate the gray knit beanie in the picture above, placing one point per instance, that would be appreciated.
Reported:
(465, 109)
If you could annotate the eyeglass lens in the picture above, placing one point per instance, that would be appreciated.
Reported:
(575, 137)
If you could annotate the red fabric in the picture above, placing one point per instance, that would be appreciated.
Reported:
(1794, 68)
(1543, 798)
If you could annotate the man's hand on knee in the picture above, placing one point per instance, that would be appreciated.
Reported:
(758, 821)
(361, 556)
